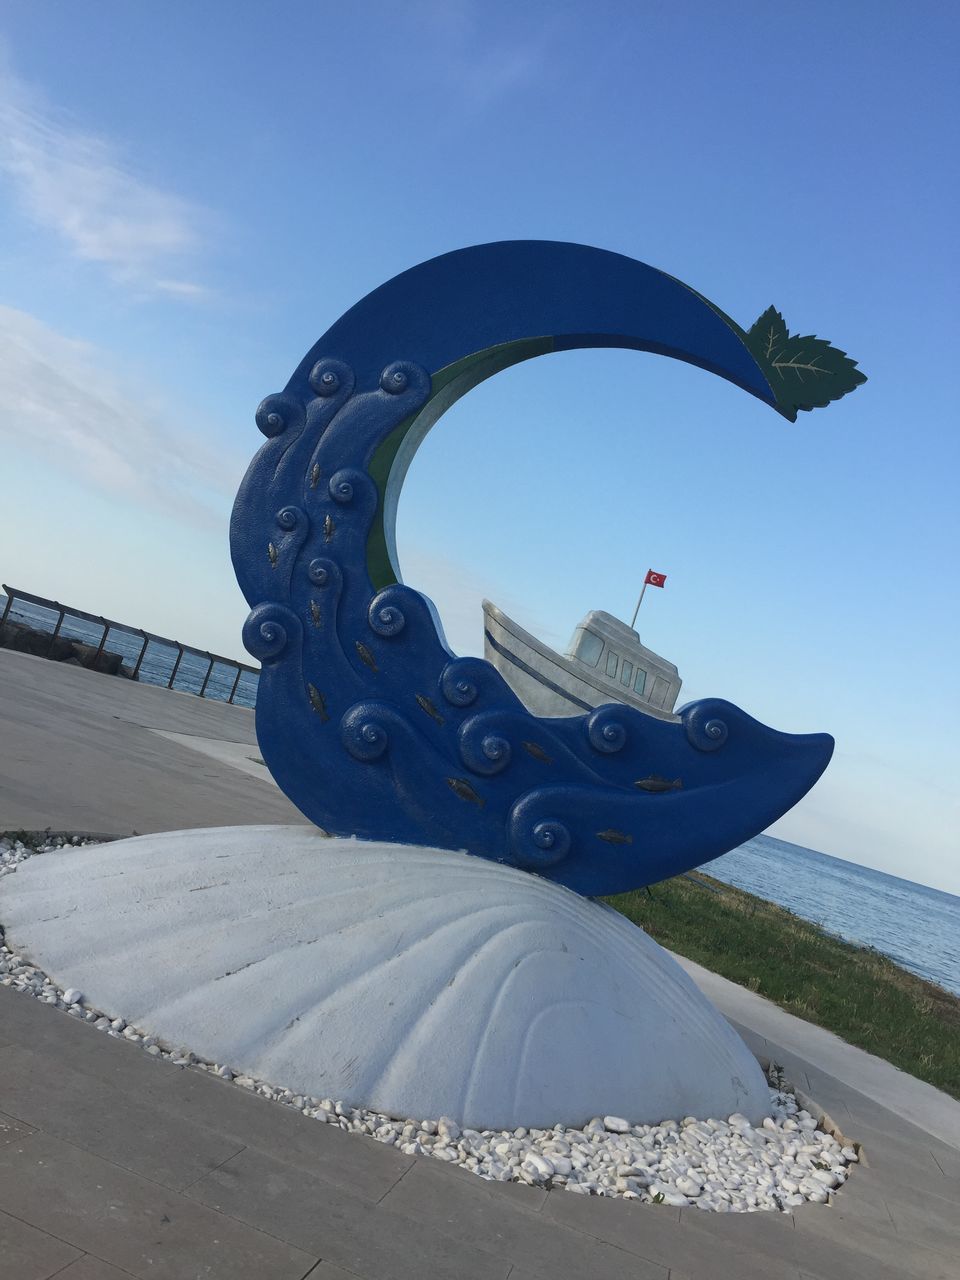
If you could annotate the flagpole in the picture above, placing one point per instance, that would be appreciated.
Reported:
(639, 603)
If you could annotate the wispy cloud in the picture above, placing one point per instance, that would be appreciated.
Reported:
(480, 65)
(76, 184)
(61, 400)
(458, 590)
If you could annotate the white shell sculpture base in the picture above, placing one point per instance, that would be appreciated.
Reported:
(414, 982)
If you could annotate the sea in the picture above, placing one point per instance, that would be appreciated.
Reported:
(916, 926)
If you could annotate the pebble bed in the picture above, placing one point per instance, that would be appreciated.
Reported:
(721, 1166)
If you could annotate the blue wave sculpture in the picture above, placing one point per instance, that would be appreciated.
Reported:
(365, 718)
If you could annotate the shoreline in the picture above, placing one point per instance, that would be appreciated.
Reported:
(856, 993)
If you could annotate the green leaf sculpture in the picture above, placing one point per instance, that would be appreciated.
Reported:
(803, 372)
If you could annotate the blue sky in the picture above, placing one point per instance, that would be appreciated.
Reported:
(191, 194)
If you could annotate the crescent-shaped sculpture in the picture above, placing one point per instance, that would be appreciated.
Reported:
(365, 718)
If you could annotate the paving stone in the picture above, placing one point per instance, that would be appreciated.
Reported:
(837, 1247)
(757, 1044)
(823, 1241)
(947, 1158)
(21, 1016)
(132, 1223)
(348, 1230)
(927, 1226)
(904, 1151)
(343, 1228)
(349, 1159)
(862, 1109)
(856, 1199)
(194, 1096)
(822, 1083)
(653, 1233)
(901, 1166)
(891, 1134)
(822, 1095)
(896, 1185)
(532, 1242)
(909, 1208)
(327, 1271)
(736, 1266)
(706, 1269)
(515, 1195)
(94, 1115)
(36, 1026)
(27, 1253)
(859, 1111)
(90, 1268)
(12, 1130)
(530, 1271)
(745, 1231)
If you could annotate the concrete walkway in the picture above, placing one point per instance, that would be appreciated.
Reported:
(81, 751)
(113, 1164)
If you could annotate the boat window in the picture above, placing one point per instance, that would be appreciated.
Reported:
(612, 661)
(640, 679)
(661, 688)
(589, 647)
(626, 672)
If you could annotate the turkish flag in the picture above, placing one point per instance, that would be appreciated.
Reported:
(654, 579)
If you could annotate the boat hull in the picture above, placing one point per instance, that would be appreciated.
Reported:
(545, 682)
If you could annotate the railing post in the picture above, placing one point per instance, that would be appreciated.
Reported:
(103, 641)
(143, 650)
(6, 608)
(176, 665)
(56, 629)
(235, 683)
(203, 687)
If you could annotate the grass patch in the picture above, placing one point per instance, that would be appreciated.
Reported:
(856, 992)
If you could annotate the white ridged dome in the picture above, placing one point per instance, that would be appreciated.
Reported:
(412, 981)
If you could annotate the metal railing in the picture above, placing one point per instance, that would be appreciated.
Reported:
(108, 625)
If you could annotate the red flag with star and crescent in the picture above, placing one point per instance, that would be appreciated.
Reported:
(654, 579)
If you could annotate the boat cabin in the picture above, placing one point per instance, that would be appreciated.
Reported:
(604, 662)
(617, 659)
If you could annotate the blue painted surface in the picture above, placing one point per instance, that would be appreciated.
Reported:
(364, 717)
(474, 299)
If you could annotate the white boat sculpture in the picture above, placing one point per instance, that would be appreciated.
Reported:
(604, 662)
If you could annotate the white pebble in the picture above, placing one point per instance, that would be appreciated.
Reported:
(615, 1124)
(448, 1129)
(540, 1166)
(689, 1186)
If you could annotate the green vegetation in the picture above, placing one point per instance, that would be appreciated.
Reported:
(855, 992)
(32, 839)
